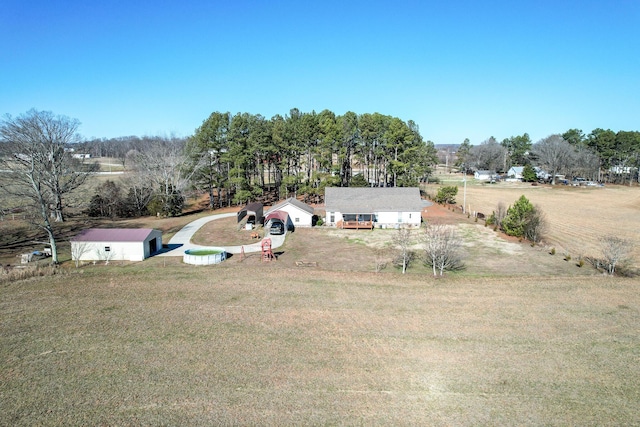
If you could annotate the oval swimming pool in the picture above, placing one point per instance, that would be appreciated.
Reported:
(204, 256)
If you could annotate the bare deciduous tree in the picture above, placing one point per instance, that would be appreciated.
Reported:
(402, 241)
(442, 248)
(499, 214)
(615, 251)
(554, 154)
(164, 164)
(489, 155)
(39, 166)
(537, 225)
(381, 259)
(77, 250)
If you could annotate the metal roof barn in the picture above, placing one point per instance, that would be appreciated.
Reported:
(107, 244)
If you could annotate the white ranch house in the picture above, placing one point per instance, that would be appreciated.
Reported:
(515, 172)
(116, 244)
(484, 175)
(381, 207)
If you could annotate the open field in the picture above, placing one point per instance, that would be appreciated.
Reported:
(519, 337)
(578, 217)
(161, 343)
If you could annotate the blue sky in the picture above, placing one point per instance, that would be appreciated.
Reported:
(459, 69)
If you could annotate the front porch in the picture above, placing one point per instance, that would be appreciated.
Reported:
(356, 222)
(356, 225)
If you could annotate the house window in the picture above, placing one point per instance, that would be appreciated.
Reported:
(332, 217)
(297, 220)
(107, 248)
(399, 217)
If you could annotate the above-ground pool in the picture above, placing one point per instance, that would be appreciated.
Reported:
(204, 256)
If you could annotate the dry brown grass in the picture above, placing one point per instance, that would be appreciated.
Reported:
(578, 217)
(318, 338)
(170, 344)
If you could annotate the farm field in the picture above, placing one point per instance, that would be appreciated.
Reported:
(317, 337)
(578, 217)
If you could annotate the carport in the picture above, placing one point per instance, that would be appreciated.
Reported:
(251, 210)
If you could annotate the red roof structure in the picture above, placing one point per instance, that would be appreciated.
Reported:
(281, 215)
(113, 235)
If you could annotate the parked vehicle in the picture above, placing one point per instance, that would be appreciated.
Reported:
(277, 227)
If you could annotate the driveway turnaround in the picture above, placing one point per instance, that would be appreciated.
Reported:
(181, 241)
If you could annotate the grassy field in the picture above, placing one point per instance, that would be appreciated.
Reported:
(520, 337)
(578, 217)
(161, 343)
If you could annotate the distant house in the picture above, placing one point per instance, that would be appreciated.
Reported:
(484, 175)
(300, 214)
(366, 207)
(541, 174)
(121, 244)
(515, 172)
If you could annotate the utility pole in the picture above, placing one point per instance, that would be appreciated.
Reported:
(464, 194)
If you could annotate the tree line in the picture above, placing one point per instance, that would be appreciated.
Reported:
(602, 155)
(245, 154)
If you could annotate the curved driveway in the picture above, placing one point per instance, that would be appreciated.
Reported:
(181, 241)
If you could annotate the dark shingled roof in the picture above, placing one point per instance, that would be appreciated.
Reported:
(370, 200)
(113, 235)
(293, 201)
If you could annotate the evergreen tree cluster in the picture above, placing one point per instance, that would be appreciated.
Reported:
(245, 154)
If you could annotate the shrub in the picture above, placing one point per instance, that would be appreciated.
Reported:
(447, 194)
(615, 251)
(552, 251)
(491, 219)
(515, 222)
(523, 220)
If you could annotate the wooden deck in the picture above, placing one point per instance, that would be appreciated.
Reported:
(355, 225)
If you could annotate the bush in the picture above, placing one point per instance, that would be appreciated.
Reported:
(515, 222)
(447, 195)
(525, 221)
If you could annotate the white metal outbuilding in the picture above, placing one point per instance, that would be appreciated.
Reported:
(116, 244)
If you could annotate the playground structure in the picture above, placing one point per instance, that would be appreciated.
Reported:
(267, 253)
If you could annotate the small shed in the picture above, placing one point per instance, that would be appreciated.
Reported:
(300, 214)
(253, 212)
(125, 244)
